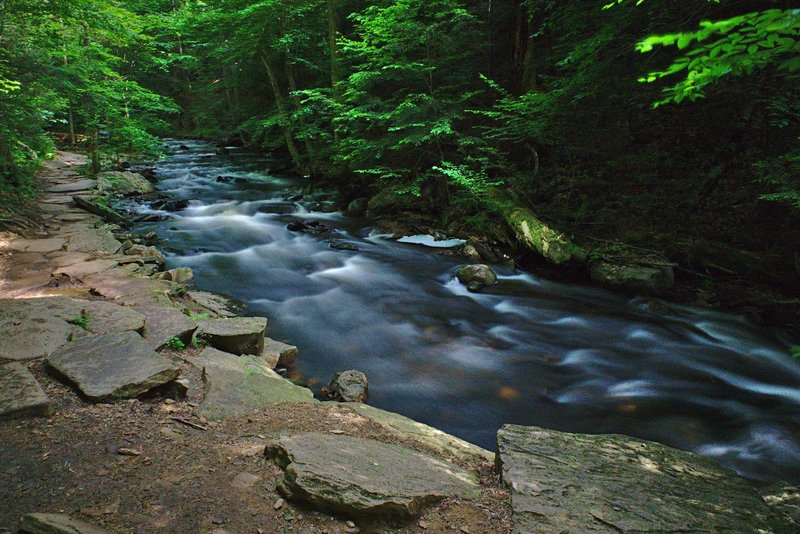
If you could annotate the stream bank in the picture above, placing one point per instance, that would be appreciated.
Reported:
(183, 460)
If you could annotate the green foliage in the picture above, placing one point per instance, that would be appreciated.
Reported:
(70, 66)
(175, 343)
(406, 94)
(82, 320)
(194, 316)
(794, 350)
(179, 290)
(735, 46)
(782, 176)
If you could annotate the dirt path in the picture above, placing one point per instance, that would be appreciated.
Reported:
(132, 466)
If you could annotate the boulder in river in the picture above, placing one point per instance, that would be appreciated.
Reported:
(639, 279)
(111, 366)
(610, 483)
(342, 245)
(278, 354)
(148, 171)
(347, 386)
(362, 477)
(169, 204)
(476, 276)
(124, 183)
(179, 275)
(308, 227)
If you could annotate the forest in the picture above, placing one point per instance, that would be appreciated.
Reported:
(634, 132)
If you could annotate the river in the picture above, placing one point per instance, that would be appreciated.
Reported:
(527, 351)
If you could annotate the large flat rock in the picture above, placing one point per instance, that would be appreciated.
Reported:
(72, 187)
(50, 244)
(563, 482)
(164, 323)
(92, 240)
(20, 393)
(356, 476)
(79, 270)
(111, 366)
(56, 524)
(237, 335)
(119, 287)
(104, 317)
(404, 428)
(239, 385)
(32, 328)
(27, 336)
(216, 304)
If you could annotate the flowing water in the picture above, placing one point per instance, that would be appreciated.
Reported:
(527, 351)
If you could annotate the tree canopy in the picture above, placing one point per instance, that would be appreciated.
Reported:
(450, 102)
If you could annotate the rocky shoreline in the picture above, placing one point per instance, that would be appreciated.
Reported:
(130, 403)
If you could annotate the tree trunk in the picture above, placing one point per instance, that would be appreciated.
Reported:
(333, 31)
(535, 234)
(279, 103)
(311, 167)
(71, 120)
(95, 152)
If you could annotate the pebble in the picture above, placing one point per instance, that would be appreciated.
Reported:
(423, 525)
(465, 530)
(350, 524)
(217, 521)
(278, 504)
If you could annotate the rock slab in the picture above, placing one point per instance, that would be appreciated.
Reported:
(278, 354)
(32, 328)
(563, 482)
(637, 279)
(404, 428)
(237, 335)
(216, 304)
(362, 477)
(165, 323)
(56, 524)
(111, 366)
(20, 393)
(239, 385)
(72, 187)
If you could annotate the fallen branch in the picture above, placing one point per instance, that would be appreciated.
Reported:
(186, 422)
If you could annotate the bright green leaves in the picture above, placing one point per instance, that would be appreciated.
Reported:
(736, 46)
(406, 92)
